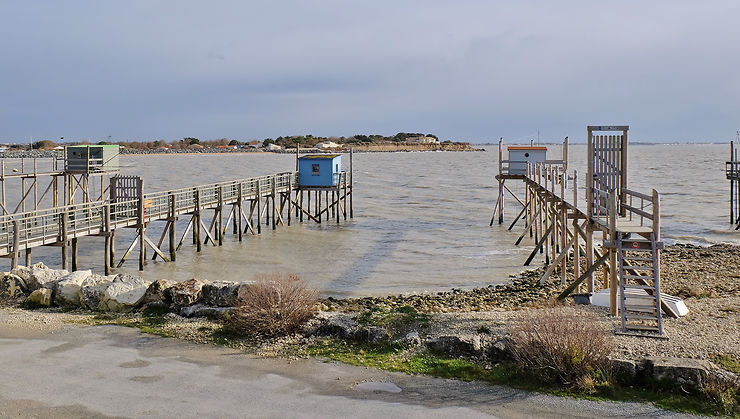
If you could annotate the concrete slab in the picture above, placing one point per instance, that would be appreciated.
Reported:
(82, 371)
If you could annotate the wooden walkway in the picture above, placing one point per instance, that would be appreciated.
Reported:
(276, 197)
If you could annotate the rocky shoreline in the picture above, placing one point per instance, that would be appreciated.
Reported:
(468, 323)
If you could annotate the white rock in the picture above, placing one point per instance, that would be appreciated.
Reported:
(124, 293)
(43, 277)
(68, 289)
(41, 296)
(92, 291)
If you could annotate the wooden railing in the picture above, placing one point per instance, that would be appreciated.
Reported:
(732, 170)
(37, 228)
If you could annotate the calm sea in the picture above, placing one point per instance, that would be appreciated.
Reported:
(421, 219)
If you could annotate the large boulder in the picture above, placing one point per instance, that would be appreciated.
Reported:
(338, 325)
(40, 297)
(68, 289)
(219, 294)
(92, 291)
(199, 310)
(185, 293)
(12, 286)
(452, 345)
(124, 293)
(156, 295)
(43, 277)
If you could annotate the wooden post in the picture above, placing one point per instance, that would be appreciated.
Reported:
(220, 231)
(2, 185)
(500, 201)
(28, 256)
(55, 191)
(16, 243)
(35, 188)
(142, 222)
(74, 254)
(576, 245)
(173, 232)
(272, 197)
(613, 279)
(259, 209)
(65, 240)
(623, 174)
(290, 192)
(238, 215)
(300, 215)
(732, 183)
(107, 232)
(197, 222)
(344, 193)
(351, 185)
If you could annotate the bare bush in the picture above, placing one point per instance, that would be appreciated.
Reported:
(558, 345)
(275, 305)
(724, 391)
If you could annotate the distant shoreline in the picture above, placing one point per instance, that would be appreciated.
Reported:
(29, 154)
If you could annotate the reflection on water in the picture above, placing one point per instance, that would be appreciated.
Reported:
(421, 219)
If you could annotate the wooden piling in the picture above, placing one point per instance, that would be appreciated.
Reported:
(197, 222)
(172, 220)
(16, 243)
(107, 235)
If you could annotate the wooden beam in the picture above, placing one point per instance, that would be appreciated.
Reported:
(597, 263)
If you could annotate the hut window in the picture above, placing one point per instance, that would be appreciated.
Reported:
(314, 169)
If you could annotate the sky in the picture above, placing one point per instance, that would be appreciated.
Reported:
(463, 70)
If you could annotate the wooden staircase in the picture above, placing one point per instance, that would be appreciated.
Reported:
(639, 285)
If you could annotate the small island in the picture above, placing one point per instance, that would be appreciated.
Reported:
(400, 142)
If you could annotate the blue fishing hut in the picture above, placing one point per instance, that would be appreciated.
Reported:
(319, 170)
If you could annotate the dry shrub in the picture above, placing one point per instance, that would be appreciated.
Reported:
(275, 305)
(558, 345)
(724, 391)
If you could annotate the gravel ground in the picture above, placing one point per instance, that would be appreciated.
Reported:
(707, 278)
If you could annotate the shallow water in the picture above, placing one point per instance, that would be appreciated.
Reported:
(421, 219)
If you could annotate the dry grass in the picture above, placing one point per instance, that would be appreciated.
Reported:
(558, 345)
(275, 305)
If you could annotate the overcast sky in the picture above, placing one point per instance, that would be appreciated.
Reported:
(464, 70)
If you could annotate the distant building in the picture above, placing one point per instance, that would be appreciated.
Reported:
(422, 140)
(273, 147)
(327, 144)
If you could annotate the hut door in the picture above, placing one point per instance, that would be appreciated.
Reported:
(607, 167)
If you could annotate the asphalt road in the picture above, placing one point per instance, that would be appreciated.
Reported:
(110, 371)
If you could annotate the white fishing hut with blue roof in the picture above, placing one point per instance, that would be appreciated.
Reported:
(325, 190)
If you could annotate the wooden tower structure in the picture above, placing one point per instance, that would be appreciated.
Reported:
(627, 221)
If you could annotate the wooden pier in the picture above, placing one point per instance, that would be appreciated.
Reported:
(564, 232)
(732, 171)
(245, 205)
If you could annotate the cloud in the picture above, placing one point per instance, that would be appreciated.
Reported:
(468, 70)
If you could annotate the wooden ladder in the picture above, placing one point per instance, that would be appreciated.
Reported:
(639, 286)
